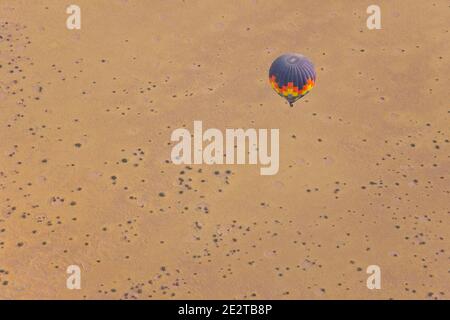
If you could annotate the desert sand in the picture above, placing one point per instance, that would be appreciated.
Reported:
(85, 172)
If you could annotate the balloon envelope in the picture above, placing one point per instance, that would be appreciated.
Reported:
(292, 76)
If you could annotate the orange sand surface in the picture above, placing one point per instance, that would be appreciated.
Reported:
(85, 172)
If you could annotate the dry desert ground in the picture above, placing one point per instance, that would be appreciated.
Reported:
(86, 177)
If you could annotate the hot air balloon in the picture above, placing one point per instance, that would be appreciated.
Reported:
(292, 76)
